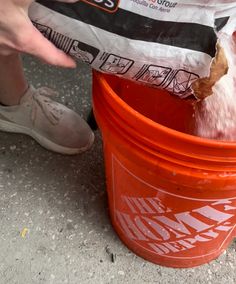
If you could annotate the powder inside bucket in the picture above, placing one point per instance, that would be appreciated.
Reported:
(212, 118)
(215, 117)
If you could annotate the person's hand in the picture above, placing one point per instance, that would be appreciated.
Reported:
(17, 34)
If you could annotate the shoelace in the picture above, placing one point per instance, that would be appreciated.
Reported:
(40, 99)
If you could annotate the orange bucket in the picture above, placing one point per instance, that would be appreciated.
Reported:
(172, 196)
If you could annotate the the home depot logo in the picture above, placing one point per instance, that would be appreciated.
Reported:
(108, 5)
(169, 224)
(164, 232)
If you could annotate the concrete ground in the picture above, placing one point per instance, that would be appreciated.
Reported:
(54, 220)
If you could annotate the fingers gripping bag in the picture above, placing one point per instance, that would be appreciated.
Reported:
(177, 45)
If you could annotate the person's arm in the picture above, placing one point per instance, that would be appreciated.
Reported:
(17, 34)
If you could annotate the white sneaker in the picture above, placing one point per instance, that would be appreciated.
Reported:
(51, 124)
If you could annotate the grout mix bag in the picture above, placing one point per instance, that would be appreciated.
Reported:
(170, 44)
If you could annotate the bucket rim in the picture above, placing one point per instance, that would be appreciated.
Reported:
(188, 138)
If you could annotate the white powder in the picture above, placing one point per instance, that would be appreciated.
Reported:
(215, 117)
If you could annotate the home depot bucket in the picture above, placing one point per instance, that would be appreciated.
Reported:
(172, 196)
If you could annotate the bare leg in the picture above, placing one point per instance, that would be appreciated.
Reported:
(13, 84)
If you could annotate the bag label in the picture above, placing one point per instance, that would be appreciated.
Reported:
(108, 5)
(167, 44)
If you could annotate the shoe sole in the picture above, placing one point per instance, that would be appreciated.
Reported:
(44, 142)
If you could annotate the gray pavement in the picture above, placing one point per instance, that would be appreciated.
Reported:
(54, 223)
